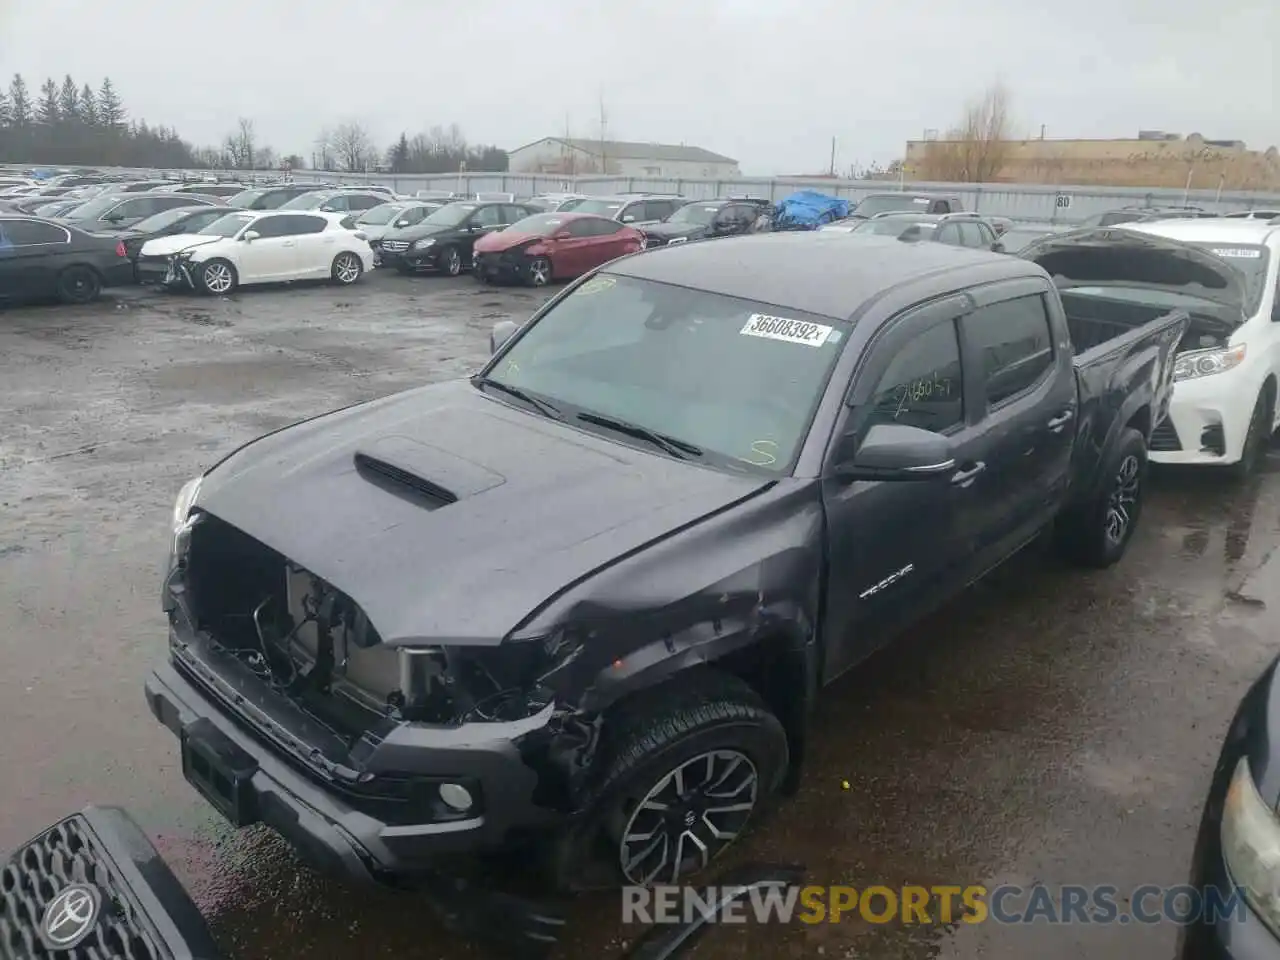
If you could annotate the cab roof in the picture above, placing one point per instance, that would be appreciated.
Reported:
(828, 273)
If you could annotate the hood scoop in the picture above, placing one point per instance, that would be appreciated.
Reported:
(424, 473)
(399, 480)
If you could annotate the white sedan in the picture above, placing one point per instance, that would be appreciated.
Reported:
(268, 246)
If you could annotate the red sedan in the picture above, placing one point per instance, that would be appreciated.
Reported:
(552, 246)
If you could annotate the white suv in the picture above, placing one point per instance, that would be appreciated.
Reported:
(1224, 405)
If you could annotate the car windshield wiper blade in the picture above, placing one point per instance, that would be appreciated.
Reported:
(542, 406)
(676, 448)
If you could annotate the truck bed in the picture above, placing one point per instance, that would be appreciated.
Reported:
(1124, 371)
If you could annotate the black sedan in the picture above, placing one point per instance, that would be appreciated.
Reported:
(1236, 863)
(704, 219)
(445, 240)
(169, 223)
(40, 259)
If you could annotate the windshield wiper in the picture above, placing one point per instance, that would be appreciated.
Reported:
(676, 448)
(542, 406)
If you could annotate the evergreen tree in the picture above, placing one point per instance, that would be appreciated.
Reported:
(398, 156)
(110, 110)
(88, 106)
(69, 100)
(47, 105)
(19, 103)
(6, 115)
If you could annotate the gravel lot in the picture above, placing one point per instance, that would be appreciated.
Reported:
(1050, 725)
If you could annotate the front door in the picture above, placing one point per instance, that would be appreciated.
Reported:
(31, 254)
(894, 547)
(272, 255)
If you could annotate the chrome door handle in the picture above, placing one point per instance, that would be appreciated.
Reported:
(1060, 421)
(962, 478)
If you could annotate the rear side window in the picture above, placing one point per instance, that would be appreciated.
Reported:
(271, 227)
(366, 201)
(23, 233)
(922, 386)
(971, 235)
(1013, 344)
(300, 223)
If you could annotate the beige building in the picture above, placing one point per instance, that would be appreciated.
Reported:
(1152, 159)
(569, 156)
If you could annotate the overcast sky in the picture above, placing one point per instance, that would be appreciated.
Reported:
(765, 81)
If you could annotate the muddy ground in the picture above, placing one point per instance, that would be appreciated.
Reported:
(1051, 725)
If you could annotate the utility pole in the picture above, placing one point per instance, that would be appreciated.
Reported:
(604, 125)
(833, 156)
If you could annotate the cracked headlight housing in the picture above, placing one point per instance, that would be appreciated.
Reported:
(1205, 363)
(1251, 846)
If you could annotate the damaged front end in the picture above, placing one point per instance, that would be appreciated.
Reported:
(433, 748)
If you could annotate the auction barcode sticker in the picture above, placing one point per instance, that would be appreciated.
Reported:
(1242, 253)
(787, 330)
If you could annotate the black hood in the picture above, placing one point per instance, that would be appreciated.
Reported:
(449, 516)
(670, 231)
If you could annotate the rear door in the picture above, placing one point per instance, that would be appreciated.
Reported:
(580, 251)
(31, 254)
(317, 244)
(1025, 392)
(487, 219)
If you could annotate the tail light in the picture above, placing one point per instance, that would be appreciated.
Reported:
(120, 250)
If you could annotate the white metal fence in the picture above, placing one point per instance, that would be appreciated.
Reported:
(1032, 202)
(1036, 202)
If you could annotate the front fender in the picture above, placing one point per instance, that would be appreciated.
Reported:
(736, 580)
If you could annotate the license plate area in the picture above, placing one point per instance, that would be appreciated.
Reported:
(220, 771)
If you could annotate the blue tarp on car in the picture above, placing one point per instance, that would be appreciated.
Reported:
(808, 210)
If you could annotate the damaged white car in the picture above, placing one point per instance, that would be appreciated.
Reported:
(250, 247)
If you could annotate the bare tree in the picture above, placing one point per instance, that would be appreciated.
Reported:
(322, 156)
(976, 150)
(240, 146)
(352, 146)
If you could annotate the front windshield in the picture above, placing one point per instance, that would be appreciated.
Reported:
(450, 215)
(698, 213)
(227, 226)
(382, 213)
(870, 206)
(605, 208)
(540, 224)
(244, 198)
(740, 380)
(158, 221)
(306, 201)
(93, 209)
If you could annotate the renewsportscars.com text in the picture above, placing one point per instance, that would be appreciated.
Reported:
(973, 904)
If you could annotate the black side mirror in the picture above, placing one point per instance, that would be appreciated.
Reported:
(501, 333)
(892, 451)
(997, 247)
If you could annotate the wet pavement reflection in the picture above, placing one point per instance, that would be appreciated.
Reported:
(1050, 725)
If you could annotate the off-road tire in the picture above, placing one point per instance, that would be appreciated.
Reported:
(1083, 534)
(646, 738)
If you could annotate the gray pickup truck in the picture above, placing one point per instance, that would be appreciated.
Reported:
(581, 604)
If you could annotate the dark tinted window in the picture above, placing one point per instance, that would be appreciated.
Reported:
(24, 232)
(583, 228)
(633, 213)
(488, 216)
(604, 228)
(272, 226)
(922, 387)
(198, 221)
(298, 223)
(365, 201)
(1013, 344)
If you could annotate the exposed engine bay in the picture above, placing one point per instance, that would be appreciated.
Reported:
(314, 644)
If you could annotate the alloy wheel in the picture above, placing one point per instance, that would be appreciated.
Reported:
(217, 277)
(348, 269)
(1123, 500)
(540, 273)
(689, 816)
